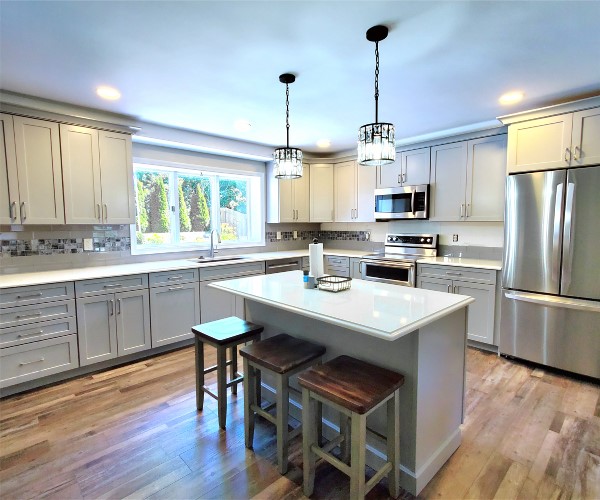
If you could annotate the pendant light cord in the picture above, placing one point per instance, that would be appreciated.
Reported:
(376, 82)
(287, 113)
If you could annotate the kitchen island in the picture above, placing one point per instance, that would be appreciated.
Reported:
(419, 333)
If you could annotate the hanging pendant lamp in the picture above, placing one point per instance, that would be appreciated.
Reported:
(288, 161)
(376, 144)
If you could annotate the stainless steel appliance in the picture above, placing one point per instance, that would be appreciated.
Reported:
(398, 263)
(283, 265)
(551, 280)
(406, 202)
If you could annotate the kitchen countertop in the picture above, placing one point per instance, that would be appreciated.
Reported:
(378, 309)
(461, 262)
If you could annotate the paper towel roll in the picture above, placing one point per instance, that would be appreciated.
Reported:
(315, 253)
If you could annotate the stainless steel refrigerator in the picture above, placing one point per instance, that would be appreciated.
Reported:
(550, 308)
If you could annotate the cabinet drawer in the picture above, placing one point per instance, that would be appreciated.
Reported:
(337, 270)
(170, 277)
(475, 275)
(232, 271)
(24, 295)
(336, 261)
(109, 285)
(25, 315)
(17, 335)
(37, 359)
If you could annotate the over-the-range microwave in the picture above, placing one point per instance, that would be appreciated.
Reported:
(405, 202)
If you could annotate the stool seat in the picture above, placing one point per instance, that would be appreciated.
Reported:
(351, 383)
(281, 353)
(226, 330)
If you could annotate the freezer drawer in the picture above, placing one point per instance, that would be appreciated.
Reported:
(559, 332)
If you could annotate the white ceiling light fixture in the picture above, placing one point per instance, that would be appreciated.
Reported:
(376, 145)
(511, 98)
(108, 93)
(288, 161)
(323, 143)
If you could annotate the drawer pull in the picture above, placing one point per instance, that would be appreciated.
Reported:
(21, 335)
(175, 277)
(23, 363)
(32, 315)
(32, 296)
(175, 288)
(451, 273)
(113, 286)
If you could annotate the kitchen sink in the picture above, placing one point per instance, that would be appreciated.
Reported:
(224, 258)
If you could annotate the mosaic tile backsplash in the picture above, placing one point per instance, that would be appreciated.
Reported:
(24, 248)
(271, 236)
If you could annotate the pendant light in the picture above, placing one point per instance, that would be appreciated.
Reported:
(376, 144)
(288, 161)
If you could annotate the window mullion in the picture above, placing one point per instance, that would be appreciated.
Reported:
(174, 208)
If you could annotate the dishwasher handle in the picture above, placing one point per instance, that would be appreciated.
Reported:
(280, 267)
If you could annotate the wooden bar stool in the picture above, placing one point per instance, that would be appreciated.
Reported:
(282, 356)
(354, 388)
(222, 334)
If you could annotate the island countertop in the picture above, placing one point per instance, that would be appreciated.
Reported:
(378, 309)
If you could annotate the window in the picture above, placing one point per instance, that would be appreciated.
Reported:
(177, 209)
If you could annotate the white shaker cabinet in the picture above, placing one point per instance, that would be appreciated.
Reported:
(410, 169)
(98, 176)
(288, 199)
(31, 172)
(354, 186)
(321, 192)
(448, 181)
(569, 139)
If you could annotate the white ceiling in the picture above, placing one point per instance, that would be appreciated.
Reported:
(201, 65)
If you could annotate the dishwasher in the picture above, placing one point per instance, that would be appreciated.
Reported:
(283, 265)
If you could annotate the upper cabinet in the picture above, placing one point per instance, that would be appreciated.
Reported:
(354, 186)
(569, 139)
(410, 169)
(98, 176)
(288, 199)
(467, 180)
(31, 183)
(321, 192)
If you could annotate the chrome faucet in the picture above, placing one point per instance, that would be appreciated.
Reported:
(213, 250)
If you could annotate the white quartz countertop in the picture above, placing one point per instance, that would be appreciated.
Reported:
(378, 309)
(460, 262)
(85, 273)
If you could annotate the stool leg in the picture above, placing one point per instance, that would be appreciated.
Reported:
(222, 385)
(199, 373)
(345, 431)
(282, 405)
(393, 443)
(357, 460)
(233, 369)
(308, 439)
(249, 393)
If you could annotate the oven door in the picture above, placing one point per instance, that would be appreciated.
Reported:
(388, 271)
(406, 202)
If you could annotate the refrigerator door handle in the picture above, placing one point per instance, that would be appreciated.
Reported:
(567, 237)
(556, 233)
(553, 301)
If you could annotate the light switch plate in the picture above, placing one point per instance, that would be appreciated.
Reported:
(278, 235)
(87, 244)
(295, 235)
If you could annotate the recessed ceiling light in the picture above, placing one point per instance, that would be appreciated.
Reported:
(242, 125)
(323, 143)
(511, 97)
(108, 93)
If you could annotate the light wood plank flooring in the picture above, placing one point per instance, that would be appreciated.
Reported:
(134, 432)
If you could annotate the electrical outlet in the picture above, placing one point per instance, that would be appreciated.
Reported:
(367, 236)
(455, 237)
(88, 245)
(295, 235)
(278, 235)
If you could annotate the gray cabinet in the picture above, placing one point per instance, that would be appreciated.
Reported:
(410, 168)
(355, 268)
(174, 305)
(112, 323)
(337, 266)
(353, 197)
(477, 283)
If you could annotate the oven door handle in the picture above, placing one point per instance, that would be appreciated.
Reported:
(412, 201)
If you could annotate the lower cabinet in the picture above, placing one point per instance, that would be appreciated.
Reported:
(113, 325)
(355, 268)
(174, 310)
(337, 266)
(217, 304)
(482, 288)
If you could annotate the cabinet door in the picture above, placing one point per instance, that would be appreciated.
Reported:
(480, 325)
(217, 304)
(436, 284)
(9, 182)
(302, 196)
(81, 174)
(97, 329)
(390, 175)
(38, 163)
(486, 178)
(321, 193)
(286, 200)
(133, 321)
(116, 169)
(448, 181)
(365, 189)
(415, 166)
(541, 144)
(345, 191)
(174, 310)
(586, 137)
(355, 268)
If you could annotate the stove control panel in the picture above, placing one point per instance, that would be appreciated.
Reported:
(412, 240)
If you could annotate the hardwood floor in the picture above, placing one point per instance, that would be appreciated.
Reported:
(134, 432)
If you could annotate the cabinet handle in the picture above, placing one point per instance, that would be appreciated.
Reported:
(21, 335)
(98, 212)
(468, 211)
(32, 315)
(171, 288)
(13, 210)
(455, 289)
(175, 277)
(118, 306)
(453, 273)
(32, 296)
(23, 363)
(567, 155)
(23, 211)
(105, 211)
(462, 210)
(113, 286)
(400, 179)
(449, 287)
(403, 178)
(576, 153)
(111, 304)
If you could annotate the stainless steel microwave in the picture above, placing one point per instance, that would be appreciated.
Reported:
(406, 202)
